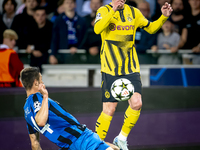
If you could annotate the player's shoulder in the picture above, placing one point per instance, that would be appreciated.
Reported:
(105, 8)
(34, 97)
(129, 6)
(132, 8)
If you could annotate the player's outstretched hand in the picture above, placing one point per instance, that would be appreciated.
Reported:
(166, 9)
(42, 89)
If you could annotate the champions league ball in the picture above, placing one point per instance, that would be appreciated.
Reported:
(122, 89)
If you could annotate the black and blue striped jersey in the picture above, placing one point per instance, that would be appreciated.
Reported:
(61, 127)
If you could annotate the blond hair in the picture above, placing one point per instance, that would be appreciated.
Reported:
(10, 34)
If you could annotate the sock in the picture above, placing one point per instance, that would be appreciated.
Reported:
(130, 118)
(102, 125)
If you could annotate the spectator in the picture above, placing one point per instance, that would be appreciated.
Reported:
(92, 41)
(22, 22)
(39, 38)
(10, 65)
(177, 17)
(86, 9)
(144, 40)
(189, 36)
(49, 5)
(159, 4)
(6, 20)
(21, 7)
(167, 39)
(61, 9)
(68, 32)
(152, 4)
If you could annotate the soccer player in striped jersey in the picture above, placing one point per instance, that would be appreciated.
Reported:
(117, 24)
(45, 116)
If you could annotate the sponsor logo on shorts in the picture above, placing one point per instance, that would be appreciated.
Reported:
(113, 27)
(107, 94)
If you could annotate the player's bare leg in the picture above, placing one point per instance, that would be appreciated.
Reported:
(112, 146)
(130, 118)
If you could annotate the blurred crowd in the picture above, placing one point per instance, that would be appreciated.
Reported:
(68, 24)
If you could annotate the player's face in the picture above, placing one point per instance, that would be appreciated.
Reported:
(9, 7)
(195, 4)
(40, 79)
(10, 42)
(95, 4)
(123, 1)
(31, 4)
(69, 5)
(40, 16)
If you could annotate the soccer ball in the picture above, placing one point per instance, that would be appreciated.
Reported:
(122, 89)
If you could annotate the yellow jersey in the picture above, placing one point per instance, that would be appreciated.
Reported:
(117, 29)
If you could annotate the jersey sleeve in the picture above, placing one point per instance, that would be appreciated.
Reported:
(150, 27)
(36, 103)
(31, 130)
(103, 17)
(141, 21)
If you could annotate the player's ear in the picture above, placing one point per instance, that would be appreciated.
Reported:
(36, 83)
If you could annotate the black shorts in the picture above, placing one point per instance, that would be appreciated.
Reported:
(107, 81)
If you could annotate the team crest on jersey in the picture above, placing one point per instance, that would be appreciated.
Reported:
(129, 17)
(112, 26)
(98, 17)
(107, 94)
(37, 106)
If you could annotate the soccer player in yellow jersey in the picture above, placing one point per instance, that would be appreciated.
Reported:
(117, 24)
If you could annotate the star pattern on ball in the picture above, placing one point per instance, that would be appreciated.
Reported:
(124, 86)
(131, 93)
(114, 86)
(119, 96)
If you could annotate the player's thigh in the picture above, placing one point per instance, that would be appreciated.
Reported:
(135, 101)
(93, 142)
(135, 79)
(107, 81)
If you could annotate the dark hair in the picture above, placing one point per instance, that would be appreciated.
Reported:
(28, 76)
(73, 1)
(12, 1)
(60, 2)
(39, 8)
(38, 1)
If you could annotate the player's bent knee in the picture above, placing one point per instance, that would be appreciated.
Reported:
(109, 108)
(136, 101)
(109, 111)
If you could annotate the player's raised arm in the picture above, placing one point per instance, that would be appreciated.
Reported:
(104, 16)
(42, 115)
(153, 27)
(35, 138)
